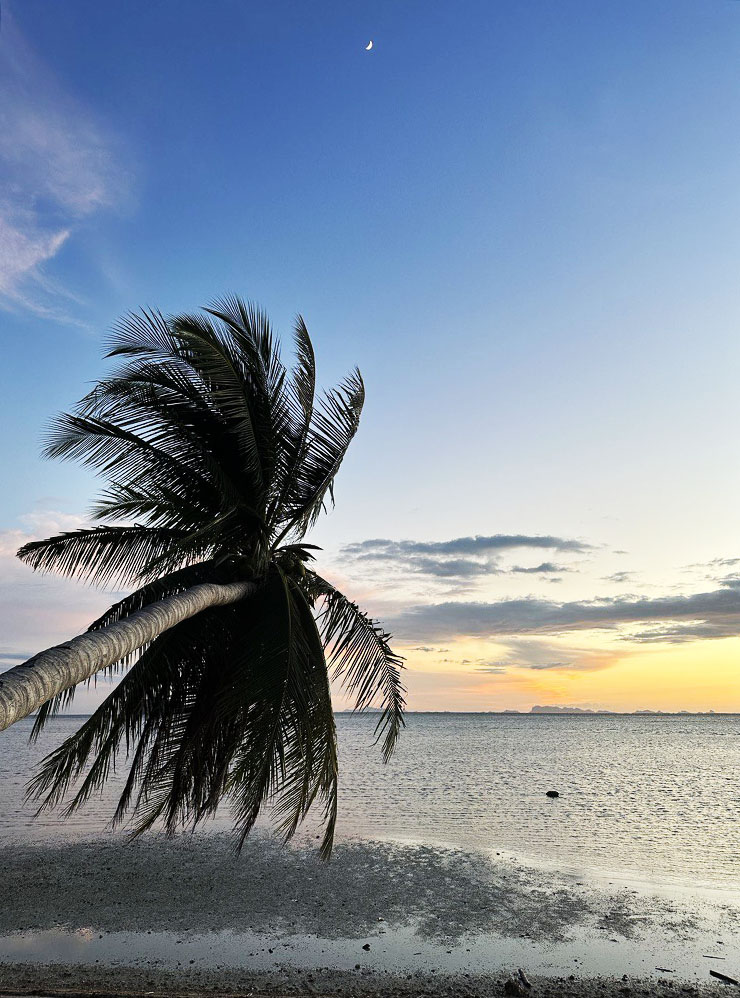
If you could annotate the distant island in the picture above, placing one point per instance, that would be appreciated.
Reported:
(550, 709)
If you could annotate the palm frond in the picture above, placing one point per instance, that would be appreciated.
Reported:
(334, 422)
(210, 354)
(173, 438)
(212, 455)
(145, 332)
(231, 705)
(312, 769)
(111, 449)
(116, 556)
(300, 407)
(289, 756)
(362, 659)
(264, 375)
(240, 384)
(145, 696)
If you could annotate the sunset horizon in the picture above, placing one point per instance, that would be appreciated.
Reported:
(370, 531)
(545, 478)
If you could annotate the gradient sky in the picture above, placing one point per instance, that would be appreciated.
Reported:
(521, 220)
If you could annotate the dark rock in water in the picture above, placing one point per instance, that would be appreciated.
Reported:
(552, 793)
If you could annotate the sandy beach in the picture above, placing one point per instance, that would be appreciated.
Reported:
(188, 916)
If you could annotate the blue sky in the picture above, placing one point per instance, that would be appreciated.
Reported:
(520, 220)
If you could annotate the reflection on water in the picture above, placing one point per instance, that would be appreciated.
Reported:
(400, 951)
(657, 796)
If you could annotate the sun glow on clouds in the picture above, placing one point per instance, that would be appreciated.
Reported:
(480, 649)
(480, 630)
(702, 675)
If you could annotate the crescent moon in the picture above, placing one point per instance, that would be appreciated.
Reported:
(369, 46)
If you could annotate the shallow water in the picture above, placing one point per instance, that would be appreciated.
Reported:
(399, 952)
(377, 907)
(653, 797)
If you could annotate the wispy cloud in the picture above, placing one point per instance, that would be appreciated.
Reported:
(537, 654)
(478, 544)
(462, 558)
(59, 168)
(544, 568)
(618, 578)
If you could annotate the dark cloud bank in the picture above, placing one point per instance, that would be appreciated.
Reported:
(678, 618)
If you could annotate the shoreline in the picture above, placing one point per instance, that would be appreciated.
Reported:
(185, 914)
(111, 983)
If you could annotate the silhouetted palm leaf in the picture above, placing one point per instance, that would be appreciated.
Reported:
(217, 461)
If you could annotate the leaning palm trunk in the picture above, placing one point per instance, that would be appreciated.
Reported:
(218, 460)
(27, 687)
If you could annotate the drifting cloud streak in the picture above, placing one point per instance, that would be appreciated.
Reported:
(58, 167)
(462, 558)
(702, 615)
(536, 654)
(477, 544)
(544, 568)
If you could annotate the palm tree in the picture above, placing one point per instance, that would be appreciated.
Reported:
(217, 461)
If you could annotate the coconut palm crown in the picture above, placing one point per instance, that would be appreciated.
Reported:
(217, 461)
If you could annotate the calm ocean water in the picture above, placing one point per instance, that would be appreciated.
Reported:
(655, 797)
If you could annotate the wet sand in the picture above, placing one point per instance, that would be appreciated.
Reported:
(188, 916)
(82, 982)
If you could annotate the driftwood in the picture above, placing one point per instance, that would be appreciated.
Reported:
(724, 977)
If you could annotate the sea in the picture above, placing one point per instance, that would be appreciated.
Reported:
(655, 797)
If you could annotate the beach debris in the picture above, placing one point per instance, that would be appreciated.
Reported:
(724, 977)
(552, 793)
(711, 956)
(666, 970)
(366, 946)
(523, 978)
(514, 988)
